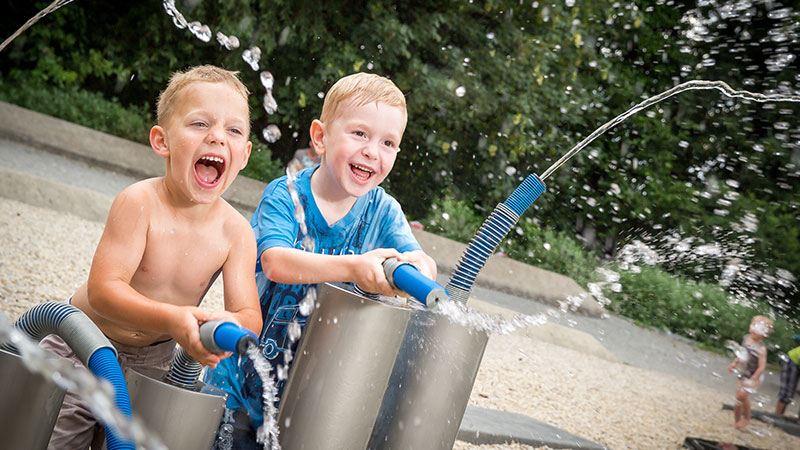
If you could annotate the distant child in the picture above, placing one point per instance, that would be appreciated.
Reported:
(353, 223)
(750, 368)
(167, 239)
(789, 374)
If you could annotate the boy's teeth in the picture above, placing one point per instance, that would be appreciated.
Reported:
(365, 169)
(212, 158)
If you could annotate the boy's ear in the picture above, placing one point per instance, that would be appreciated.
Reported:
(158, 141)
(246, 155)
(317, 133)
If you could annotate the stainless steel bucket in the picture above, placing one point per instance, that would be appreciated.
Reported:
(29, 405)
(183, 419)
(368, 374)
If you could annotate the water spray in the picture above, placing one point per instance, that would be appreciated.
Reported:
(507, 214)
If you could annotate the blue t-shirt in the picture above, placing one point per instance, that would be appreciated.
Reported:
(375, 221)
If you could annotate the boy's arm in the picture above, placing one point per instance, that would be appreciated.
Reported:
(293, 266)
(116, 260)
(238, 274)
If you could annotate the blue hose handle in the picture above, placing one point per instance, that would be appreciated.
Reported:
(405, 277)
(218, 336)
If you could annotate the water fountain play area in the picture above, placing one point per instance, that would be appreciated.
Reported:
(408, 336)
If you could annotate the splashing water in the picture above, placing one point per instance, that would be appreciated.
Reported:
(251, 56)
(98, 394)
(230, 42)
(687, 86)
(267, 433)
(271, 133)
(50, 8)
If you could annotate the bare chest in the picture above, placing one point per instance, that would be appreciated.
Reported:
(180, 263)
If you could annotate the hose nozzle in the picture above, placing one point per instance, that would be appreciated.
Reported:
(405, 277)
(223, 336)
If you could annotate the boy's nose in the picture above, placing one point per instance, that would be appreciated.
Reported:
(370, 150)
(216, 135)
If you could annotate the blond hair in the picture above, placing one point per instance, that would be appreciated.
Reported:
(764, 320)
(364, 88)
(180, 80)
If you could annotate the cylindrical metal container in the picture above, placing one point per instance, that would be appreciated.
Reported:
(184, 419)
(374, 375)
(430, 385)
(29, 405)
(340, 372)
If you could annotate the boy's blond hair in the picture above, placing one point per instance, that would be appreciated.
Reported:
(764, 320)
(364, 88)
(180, 80)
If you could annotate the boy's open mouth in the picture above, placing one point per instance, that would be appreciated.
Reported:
(208, 170)
(361, 173)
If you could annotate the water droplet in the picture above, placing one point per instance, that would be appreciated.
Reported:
(229, 42)
(267, 80)
(201, 31)
(271, 133)
(251, 56)
(461, 91)
(270, 105)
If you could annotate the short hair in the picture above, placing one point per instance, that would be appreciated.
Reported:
(180, 80)
(364, 88)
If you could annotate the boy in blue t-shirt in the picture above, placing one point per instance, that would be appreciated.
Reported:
(353, 223)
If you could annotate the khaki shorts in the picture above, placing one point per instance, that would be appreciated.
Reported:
(76, 427)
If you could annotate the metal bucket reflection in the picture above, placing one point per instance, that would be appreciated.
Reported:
(184, 419)
(29, 405)
(374, 375)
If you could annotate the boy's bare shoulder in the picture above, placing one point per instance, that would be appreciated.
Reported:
(233, 221)
(141, 190)
(142, 193)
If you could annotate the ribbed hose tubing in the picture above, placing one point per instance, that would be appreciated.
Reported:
(489, 236)
(90, 346)
(184, 370)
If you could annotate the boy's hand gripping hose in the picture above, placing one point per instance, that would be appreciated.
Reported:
(493, 230)
(90, 346)
(217, 336)
(407, 278)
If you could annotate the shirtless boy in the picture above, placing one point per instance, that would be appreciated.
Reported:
(167, 239)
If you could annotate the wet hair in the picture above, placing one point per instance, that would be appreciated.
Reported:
(180, 80)
(363, 88)
(766, 321)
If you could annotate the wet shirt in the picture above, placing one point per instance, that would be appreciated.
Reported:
(752, 356)
(375, 221)
(794, 355)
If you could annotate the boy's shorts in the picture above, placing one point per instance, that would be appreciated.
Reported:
(789, 376)
(76, 427)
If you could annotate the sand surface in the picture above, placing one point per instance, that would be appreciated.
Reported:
(45, 256)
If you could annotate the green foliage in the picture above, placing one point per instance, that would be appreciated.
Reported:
(537, 78)
(85, 108)
(527, 242)
(700, 311)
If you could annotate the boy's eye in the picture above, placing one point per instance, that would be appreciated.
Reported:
(359, 133)
(236, 131)
(199, 124)
(388, 143)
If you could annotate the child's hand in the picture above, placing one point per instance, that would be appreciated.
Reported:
(731, 366)
(185, 329)
(368, 271)
(421, 261)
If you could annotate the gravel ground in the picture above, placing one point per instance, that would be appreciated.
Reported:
(45, 255)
